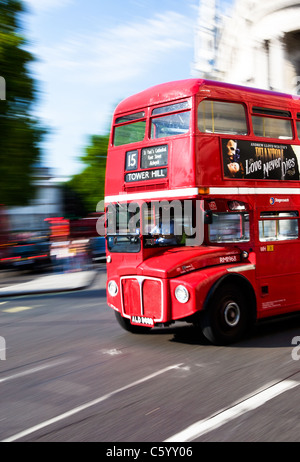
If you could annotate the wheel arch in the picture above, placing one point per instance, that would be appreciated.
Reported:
(242, 283)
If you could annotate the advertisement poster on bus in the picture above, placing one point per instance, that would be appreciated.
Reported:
(260, 161)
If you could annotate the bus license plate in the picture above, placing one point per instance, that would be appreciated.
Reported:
(142, 321)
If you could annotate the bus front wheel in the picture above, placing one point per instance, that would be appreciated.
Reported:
(226, 318)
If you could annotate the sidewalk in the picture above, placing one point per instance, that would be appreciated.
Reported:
(60, 282)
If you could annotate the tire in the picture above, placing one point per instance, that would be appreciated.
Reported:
(126, 325)
(227, 316)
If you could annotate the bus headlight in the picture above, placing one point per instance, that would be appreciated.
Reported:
(182, 294)
(112, 288)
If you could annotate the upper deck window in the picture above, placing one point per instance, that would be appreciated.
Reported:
(298, 127)
(130, 117)
(274, 112)
(175, 123)
(298, 124)
(221, 117)
(171, 108)
(270, 127)
(129, 129)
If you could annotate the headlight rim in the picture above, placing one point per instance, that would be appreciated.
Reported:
(184, 290)
(113, 292)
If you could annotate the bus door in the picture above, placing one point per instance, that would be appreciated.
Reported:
(277, 266)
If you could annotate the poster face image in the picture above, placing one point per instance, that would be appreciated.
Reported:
(260, 161)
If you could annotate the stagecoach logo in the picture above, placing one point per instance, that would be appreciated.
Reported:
(274, 200)
(260, 161)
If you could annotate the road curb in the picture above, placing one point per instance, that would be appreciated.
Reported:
(65, 282)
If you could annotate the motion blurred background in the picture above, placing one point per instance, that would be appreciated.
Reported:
(65, 65)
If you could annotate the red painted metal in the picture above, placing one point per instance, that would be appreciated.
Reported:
(195, 164)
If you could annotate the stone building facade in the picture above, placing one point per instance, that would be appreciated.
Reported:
(258, 45)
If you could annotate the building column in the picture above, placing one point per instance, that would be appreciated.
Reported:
(276, 64)
(260, 74)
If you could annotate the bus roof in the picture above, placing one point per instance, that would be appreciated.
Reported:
(178, 89)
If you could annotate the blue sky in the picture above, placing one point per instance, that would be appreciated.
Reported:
(92, 54)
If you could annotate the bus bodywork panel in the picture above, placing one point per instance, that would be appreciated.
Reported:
(181, 169)
(146, 288)
(154, 298)
(177, 261)
(202, 285)
(160, 94)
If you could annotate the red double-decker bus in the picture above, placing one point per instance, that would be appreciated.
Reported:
(202, 201)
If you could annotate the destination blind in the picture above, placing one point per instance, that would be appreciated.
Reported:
(151, 158)
(154, 156)
(146, 175)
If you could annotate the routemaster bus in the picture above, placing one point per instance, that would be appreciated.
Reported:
(202, 200)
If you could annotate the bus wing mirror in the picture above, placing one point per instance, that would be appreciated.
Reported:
(208, 217)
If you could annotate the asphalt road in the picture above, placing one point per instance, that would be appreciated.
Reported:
(72, 374)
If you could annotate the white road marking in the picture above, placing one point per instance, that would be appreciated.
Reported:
(17, 309)
(86, 405)
(217, 420)
(34, 369)
(112, 352)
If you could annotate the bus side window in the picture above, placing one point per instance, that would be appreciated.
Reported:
(278, 226)
(269, 127)
(222, 117)
(298, 127)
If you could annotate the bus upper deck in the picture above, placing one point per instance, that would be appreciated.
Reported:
(203, 134)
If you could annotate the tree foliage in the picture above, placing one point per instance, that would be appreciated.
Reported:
(89, 184)
(20, 132)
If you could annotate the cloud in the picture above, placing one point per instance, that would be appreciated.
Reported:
(122, 52)
(85, 73)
